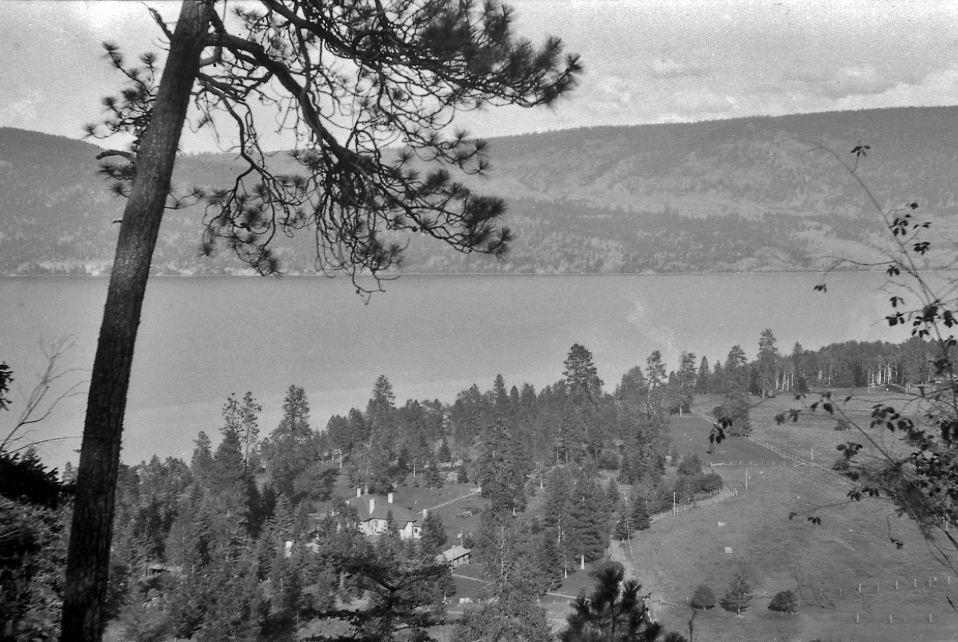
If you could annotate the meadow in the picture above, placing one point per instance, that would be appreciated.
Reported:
(844, 570)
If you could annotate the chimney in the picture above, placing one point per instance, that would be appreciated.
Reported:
(372, 505)
(389, 498)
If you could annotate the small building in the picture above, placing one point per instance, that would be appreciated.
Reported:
(372, 517)
(454, 556)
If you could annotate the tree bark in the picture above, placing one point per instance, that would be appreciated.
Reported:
(88, 556)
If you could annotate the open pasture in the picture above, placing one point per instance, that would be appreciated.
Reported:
(814, 437)
(690, 435)
(823, 564)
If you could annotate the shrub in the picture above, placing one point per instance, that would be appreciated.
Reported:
(704, 597)
(690, 466)
(784, 602)
(710, 482)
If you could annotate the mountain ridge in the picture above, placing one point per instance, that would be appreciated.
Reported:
(744, 194)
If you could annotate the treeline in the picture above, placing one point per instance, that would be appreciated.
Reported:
(851, 364)
(512, 434)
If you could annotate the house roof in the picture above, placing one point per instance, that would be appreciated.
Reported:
(400, 514)
(454, 552)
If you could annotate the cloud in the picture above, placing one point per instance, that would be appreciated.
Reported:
(23, 111)
(670, 68)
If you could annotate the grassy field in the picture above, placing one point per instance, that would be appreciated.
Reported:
(814, 434)
(824, 563)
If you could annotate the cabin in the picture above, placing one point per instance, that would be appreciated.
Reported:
(454, 556)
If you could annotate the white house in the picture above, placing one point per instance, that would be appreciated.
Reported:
(372, 517)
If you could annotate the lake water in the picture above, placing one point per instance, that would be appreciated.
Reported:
(202, 338)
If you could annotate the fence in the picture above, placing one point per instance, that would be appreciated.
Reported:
(796, 461)
(848, 600)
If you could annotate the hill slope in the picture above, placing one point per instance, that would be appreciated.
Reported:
(735, 195)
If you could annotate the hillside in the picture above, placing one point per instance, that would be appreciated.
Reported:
(735, 195)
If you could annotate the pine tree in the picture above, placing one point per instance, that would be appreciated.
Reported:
(767, 363)
(434, 538)
(549, 560)
(242, 418)
(639, 511)
(445, 455)
(588, 522)
(734, 411)
(202, 463)
(615, 610)
(580, 373)
(703, 383)
(433, 475)
(739, 595)
(291, 447)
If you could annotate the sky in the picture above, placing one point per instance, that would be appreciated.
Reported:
(646, 61)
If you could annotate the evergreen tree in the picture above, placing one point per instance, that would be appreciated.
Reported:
(734, 411)
(739, 595)
(685, 382)
(291, 447)
(433, 475)
(703, 380)
(202, 463)
(798, 369)
(549, 561)
(242, 417)
(580, 373)
(615, 611)
(228, 480)
(434, 538)
(588, 521)
(445, 455)
(641, 520)
(559, 488)
(613, 496)
(496, 472)
(767, 363)
(655, 379)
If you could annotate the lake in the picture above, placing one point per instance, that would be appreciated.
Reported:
(202, 338)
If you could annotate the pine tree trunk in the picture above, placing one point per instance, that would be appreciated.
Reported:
(88, 557)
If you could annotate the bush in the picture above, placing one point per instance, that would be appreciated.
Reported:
(784, 602)
(710, 482)
(690, 466)
(704, 597)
